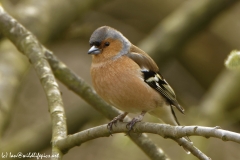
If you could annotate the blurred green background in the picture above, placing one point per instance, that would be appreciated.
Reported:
(189, 39)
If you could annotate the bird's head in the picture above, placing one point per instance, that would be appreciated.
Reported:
(108, 42)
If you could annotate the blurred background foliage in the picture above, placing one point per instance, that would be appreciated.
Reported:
(192, 62)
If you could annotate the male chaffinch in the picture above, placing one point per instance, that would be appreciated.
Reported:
(128, 78)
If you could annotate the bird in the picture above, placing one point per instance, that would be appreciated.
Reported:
(129, 79)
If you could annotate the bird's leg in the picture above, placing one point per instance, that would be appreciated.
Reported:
(120, 118)
(135, 120)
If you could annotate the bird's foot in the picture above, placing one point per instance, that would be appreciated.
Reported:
(130, 124)
(115, 120)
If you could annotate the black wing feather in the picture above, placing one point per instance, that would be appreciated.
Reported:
(153, 78)
(157, 82)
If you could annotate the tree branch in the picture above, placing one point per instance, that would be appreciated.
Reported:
(29, 45)
(164, 130)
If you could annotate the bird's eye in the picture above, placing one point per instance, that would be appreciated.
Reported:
(107, 43)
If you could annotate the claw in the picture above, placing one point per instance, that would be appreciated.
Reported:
(131, 124)
(115, 120)
(111, 123)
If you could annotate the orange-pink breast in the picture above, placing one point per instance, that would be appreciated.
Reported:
(120, 83)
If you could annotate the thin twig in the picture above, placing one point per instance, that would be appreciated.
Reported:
(192, 149)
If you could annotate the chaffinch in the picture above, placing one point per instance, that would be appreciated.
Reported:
(128, 78)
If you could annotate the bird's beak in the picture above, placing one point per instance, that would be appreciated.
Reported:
(94, 50)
